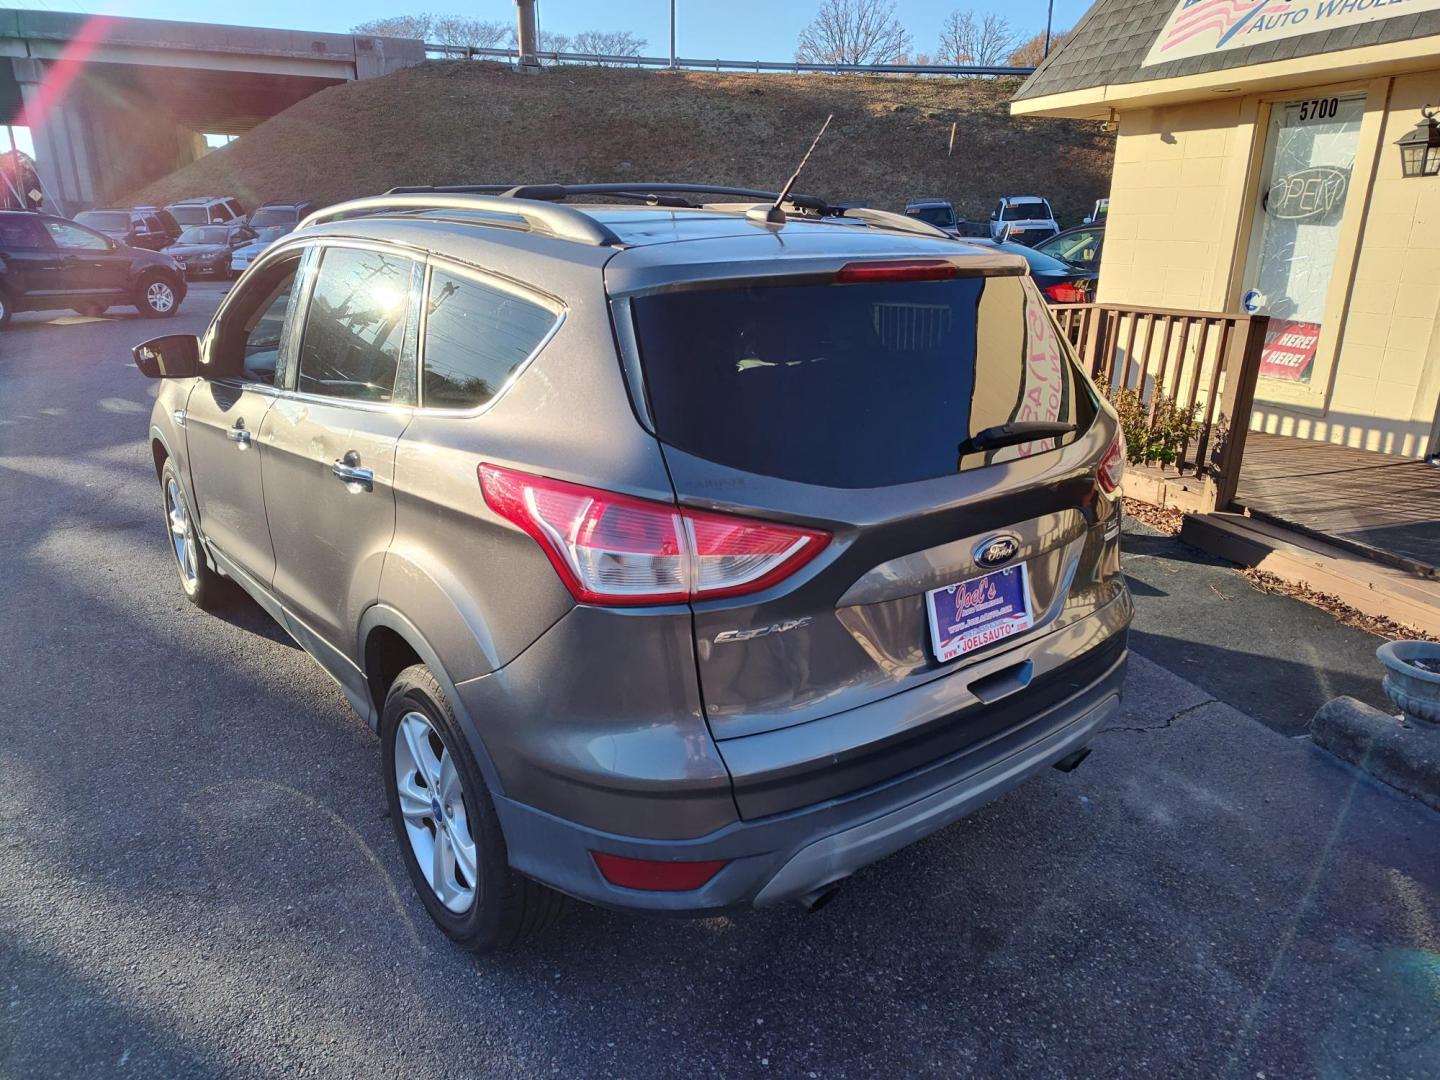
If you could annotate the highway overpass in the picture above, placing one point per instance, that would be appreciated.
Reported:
(115, 103)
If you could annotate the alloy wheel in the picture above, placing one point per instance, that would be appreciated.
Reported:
(160, 296)
(432, 803)
(182, 534)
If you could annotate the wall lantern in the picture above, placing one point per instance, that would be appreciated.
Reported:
(1420, 149)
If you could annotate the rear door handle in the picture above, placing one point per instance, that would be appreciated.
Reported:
(239, 435)
(348, 471)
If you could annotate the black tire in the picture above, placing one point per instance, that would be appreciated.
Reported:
(150, 293)
(6, 308)
(202, 586)
(93, 311)
(506, 907)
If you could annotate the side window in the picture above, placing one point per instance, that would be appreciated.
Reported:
(74, 237)
(355, 325)
(475, 337)
(153, 223)
(23, 233)
(254, 328)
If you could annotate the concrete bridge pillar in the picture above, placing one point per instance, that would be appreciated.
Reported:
(95, 144)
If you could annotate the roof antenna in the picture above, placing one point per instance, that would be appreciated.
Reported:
(773, 215)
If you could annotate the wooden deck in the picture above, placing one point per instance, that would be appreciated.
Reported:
(1387, 507)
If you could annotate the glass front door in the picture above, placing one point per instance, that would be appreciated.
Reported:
(1309, 155)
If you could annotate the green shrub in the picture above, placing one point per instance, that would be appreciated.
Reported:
(1152, 438)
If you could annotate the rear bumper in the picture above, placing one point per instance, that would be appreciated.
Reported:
(787, 855)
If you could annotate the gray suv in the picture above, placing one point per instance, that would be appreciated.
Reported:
(684, 555)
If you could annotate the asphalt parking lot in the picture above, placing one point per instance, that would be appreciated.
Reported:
(196, 877)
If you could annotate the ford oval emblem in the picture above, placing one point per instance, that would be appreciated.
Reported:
(997, 550)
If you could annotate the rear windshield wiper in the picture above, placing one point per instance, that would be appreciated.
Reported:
(1021, 431)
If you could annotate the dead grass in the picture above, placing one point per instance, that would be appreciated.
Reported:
(467, 122)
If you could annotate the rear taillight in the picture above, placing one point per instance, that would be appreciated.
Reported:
(1112, 466)
(653, 875)
(615, 549)
(896, 270)
(1065, 292)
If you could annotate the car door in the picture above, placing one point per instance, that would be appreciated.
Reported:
(91, 264)
(29, 259)
(223, 417)
(330, 439)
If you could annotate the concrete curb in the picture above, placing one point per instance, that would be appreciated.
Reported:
(1395, 753)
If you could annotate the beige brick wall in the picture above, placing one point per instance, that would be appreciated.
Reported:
(1173, 239)
(1386, 378)
(1175, 202)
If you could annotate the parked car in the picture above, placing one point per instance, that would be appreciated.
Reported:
(1023, 219)
(1081, 246)
(131, 227)
(672, 576)
(206, 210)
(247, 253)
(937, 212)
(280, 213)
(204, 250)
(1060, 281)
(48, 263)
(172, 228)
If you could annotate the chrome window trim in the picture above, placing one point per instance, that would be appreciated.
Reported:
(488, 279)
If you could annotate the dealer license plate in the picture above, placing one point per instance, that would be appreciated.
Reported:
(978, 612)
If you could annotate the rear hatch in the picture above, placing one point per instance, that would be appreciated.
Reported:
(839, 404)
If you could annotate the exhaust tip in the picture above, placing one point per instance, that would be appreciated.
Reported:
(815, 900)
(1071, 762)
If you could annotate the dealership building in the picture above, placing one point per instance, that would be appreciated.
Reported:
(1274, 157)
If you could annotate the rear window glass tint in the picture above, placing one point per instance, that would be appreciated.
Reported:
(475, 338)
(355, 325)
(105, 221)
(190, 215)
(854, 386)
(273, 215)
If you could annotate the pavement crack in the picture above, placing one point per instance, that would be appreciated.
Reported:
(1167, 722)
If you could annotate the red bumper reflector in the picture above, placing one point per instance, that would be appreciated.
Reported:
(653, 875)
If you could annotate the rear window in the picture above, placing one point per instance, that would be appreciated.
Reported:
(190, 215)
(1025, 211)
(858, 385)
(273, 215)
(105, 220)
(942, 216)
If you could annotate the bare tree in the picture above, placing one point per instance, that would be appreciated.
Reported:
(853, 32)
(460, 30)
(400, 26)
(984, 42)
(610, 43)
(1031, 52)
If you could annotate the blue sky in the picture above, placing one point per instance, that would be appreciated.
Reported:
(730, 30)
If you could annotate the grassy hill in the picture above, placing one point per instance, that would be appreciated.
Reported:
(457, 122)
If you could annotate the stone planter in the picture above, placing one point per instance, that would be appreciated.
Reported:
(1413, 687)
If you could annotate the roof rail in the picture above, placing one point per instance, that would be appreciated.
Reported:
(562, 222)
(638, 190)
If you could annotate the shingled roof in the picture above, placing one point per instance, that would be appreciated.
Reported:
(1109, 44)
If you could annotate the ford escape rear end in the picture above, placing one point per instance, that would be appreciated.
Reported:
(715, 557)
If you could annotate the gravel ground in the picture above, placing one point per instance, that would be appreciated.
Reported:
(196, 877)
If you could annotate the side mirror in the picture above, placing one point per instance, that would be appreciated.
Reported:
(994, 215)
(174, 356)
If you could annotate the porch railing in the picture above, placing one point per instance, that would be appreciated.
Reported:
(1204, 363)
